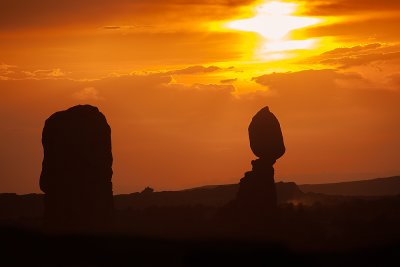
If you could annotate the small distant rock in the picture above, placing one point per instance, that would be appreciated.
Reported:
(147, 190)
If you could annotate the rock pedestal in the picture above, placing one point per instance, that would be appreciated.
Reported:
(256, 197)
(77, 171)
(256, 200)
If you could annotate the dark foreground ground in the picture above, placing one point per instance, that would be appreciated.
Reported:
(21, 248)
(185, 228)
(333, 231)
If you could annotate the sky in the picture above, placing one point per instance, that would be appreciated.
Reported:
(180, 80)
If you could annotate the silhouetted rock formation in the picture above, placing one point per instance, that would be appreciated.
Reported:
(77, 170)
(256, 200)
(372, 187)
(147, 190)
(266, 140)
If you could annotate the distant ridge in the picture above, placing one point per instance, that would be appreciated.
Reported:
(31, 205)
(209, 195)
(373, 187)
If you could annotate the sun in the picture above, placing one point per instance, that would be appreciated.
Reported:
(274, 21)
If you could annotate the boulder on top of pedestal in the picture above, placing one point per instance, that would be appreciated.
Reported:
(256, 200)
(266, 140)
(77, 170)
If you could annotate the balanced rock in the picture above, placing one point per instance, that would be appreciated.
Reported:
(77, 171)
(266, 140)
(256, 200)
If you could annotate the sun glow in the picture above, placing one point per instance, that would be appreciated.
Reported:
(274, 21)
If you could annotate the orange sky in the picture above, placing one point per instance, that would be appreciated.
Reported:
(180, 80)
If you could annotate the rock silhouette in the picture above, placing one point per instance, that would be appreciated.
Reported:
(77, 171)
(256, 200)
(266, 140)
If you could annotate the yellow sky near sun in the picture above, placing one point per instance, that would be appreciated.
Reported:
(275, 21)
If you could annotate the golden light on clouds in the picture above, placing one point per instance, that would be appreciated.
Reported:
(274, 21)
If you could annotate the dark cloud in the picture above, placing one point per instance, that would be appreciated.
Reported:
(26, 14)
(369, 27)
(350, 50)
(112, 27)
(228, 80)
(195, 70)
(346, 62)
(345, 7)
(357, 55)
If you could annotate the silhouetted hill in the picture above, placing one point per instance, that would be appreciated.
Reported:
(211, 195)
(21, 210)
(208, 196)
(326, 230)
(373, 187)
(20, 207)
(13, 206)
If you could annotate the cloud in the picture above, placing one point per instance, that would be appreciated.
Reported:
(131, 29)
(112, 27)
(345, 7)
(87, 93)
(6, 71)
(374, 65)
(228, 80)
(351, 50)
(352, 21)
(346, 57)
(4, 67)
(12, 72)
(352, 29)
(315, 93)
(195, 70)
(48, 73)
(89, 13)
(346, 62)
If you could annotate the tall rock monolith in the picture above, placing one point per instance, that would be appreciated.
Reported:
(77, 171)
